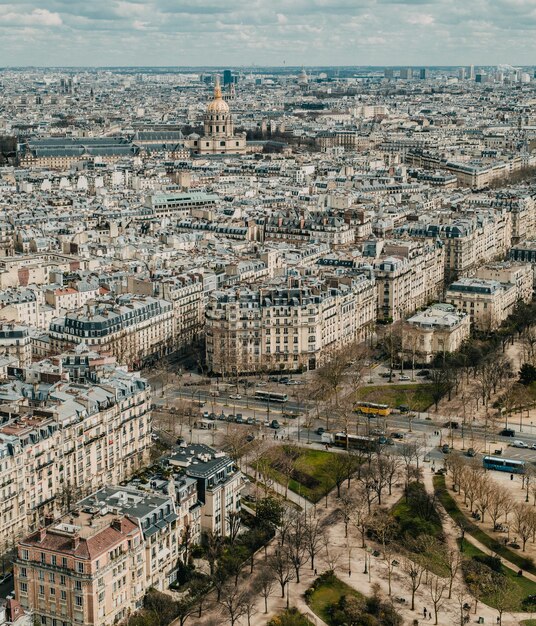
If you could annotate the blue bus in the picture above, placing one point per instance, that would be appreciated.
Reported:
(504, 465)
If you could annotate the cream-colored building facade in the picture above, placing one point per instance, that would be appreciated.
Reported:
(437, 330)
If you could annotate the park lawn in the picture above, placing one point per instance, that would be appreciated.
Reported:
(528, 622)
(452, 508)
(407, 515)
(327, 594)
(312, 477)
(290, 616)
(520, 587)
(417, 396)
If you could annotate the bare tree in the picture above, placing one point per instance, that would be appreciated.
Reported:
(313, 539)
(281, 565)
(452, 560)
(346, 506)
(233, 601)
(524, 523)
(437, 588)
(361, 515)
(297, 545)
(414, 568)
(265, 584)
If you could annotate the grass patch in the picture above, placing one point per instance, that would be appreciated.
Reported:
(519, 587)
(328, 591)
(417, 518)
(528, 622)
(290, 617)
(452, 508)
(311, 476)
(417, 396)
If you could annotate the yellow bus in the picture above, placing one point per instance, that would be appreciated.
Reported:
(369, 408)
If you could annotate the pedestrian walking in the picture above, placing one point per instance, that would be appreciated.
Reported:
(424, 612)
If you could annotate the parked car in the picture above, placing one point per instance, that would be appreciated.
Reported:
(471, 452)
(275, 425)
(397, 435)
(235, 396)
(250, 421)
(454, 425)
(445, 448)
(377, 432)
(423, 373)
(239, 419)
(508, 432)
(320, 431)
(404, 377)
(206, 415)
(250, 438)
(519, 444)
(403, 408)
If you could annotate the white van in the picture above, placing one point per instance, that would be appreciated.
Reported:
(519, 444)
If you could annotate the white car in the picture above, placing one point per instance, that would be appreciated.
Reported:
(403, 377)
(235, 396)
(520, 444)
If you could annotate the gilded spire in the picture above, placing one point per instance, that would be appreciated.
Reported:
(217, 88)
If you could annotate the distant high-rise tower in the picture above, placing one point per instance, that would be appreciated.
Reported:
(425, 73)
(471, 72)
(406, 73)
(461, 73)
(388, 72)
(227, 77)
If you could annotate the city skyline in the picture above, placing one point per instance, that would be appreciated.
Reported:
(293, 33)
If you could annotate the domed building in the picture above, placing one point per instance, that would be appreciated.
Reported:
(219, 137)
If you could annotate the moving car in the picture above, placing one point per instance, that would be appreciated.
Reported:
(235, 396)
(275, 425)
(507, 432)
(519, 444)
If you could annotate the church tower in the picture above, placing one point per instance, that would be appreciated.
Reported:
(219, 137)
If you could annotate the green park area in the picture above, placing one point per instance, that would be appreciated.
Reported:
(308, 472)
(337, 604)
(326, 593)
(418, 397)
(290, 617)
(495, 584)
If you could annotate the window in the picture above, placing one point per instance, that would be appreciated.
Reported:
(54, 559)
(80, 567)
(52, 591)
(24, 587)
(24, 555)
(62, 580)
(63, 594)
(78, 585)
(41, 590)
(79, 601)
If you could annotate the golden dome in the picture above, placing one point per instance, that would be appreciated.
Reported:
(218, 105)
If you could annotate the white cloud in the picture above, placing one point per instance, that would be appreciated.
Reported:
(421, 19)
(37, 17)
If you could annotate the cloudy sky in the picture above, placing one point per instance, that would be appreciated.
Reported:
(267, 32)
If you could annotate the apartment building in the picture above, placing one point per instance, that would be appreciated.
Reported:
(26, 306)
(487, 302)
(83, 569)
(61, 439)
(469, 241)
(15, 341)
(219, 484)
(134, 329)
(186, 294)
(158, 520)
(288, 328)
(509, 272)
(437, 330)
(410, 276)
